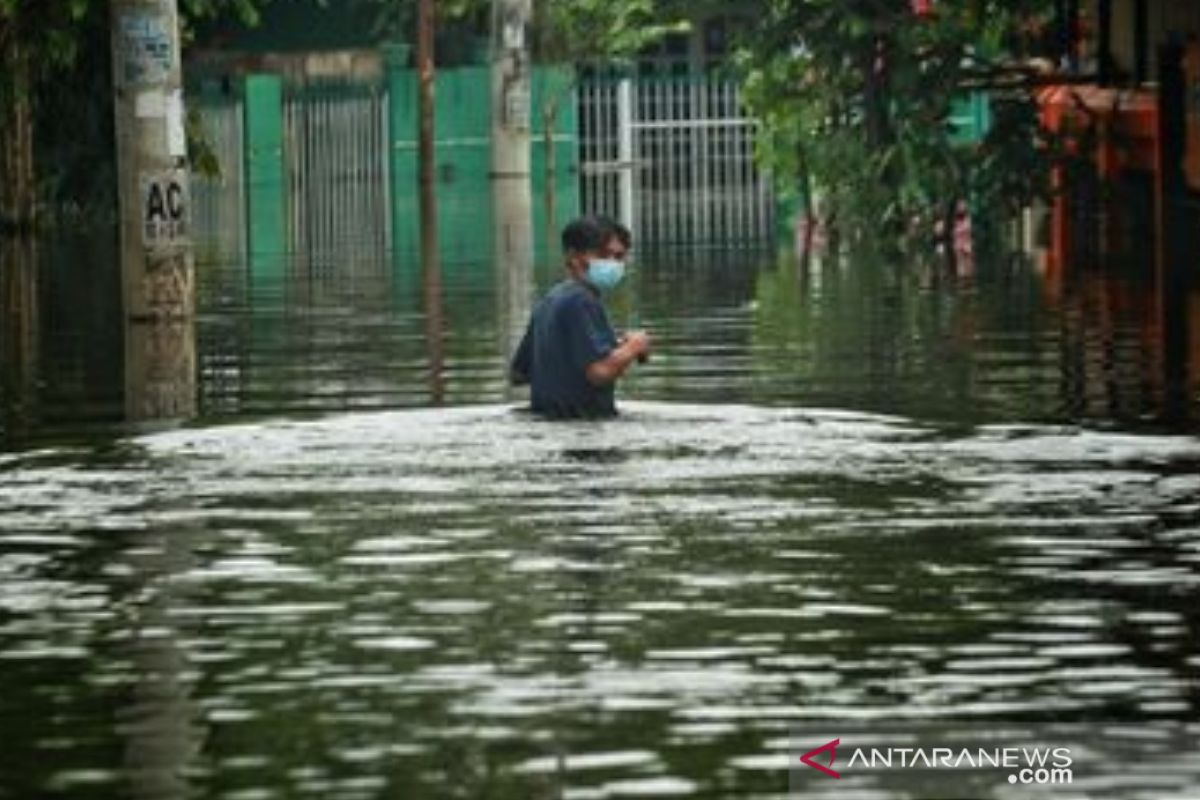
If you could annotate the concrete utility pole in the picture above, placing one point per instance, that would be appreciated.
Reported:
(511, 191)
(158, 290)
(512, 195)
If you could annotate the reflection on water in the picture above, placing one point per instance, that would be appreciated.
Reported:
(469, 602)
(738, 326)
(62, 339)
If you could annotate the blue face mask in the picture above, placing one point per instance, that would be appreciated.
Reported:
(605, 273)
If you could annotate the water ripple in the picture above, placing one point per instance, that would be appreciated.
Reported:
(401, 601)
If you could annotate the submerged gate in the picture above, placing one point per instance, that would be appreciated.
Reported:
(319, 178)
(336, 164)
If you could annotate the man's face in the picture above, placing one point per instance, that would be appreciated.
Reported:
(613, 249)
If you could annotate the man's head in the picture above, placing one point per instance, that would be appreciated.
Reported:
(590, 238)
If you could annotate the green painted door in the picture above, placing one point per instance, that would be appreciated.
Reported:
(265, 184)
(462, 127)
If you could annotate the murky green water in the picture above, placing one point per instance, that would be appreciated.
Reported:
(836, 493)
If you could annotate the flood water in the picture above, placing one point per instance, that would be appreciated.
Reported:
(844, 492)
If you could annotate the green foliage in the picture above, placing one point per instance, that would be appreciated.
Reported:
(855, 96)
(606, 32)
(37, 39)
(575, 31)
(246, 12)
(564, 31)
(57, 54)
(396, 19)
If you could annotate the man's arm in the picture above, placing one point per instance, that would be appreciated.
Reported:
(520, 370)
(613, 366)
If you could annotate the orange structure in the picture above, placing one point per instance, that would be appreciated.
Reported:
(1128, 106)
(1123, 122)
(1118, 131)
(1115, 129)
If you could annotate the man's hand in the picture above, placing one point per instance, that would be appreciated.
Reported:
(632, 346)
(639, 344)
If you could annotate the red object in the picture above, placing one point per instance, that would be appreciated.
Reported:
(922, 8)
(1126, 116)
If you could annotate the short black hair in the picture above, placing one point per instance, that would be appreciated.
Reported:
(623, 234)
(589, 233)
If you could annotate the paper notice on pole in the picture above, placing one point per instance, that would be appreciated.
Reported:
(514, 33)
(516, 108)
(151, 104)
(176, 133)
(146, 48)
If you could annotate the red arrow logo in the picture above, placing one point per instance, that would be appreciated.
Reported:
(832, 748)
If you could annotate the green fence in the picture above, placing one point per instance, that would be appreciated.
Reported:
(463, 159)
(324, 163)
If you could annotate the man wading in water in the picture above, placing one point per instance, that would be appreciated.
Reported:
(569, 355)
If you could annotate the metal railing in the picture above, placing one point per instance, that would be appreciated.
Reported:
(673, 157)
(339, 203)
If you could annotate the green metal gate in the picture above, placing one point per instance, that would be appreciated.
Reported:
(265, 186)
(329, 170)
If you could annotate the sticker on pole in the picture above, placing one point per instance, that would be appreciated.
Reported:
(147, 50)
(516, 108)
(164, 208)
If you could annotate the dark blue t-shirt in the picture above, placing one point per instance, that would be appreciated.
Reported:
(567, 331)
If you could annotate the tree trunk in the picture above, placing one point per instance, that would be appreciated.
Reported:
(18, 336)
(431, 271)
(949, 226)
(17, 178)
(425, 149)
(872, 95)
(809, 210)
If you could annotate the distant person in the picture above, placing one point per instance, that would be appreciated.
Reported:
(570, 356)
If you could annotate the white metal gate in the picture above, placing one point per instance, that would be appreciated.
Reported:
(339, 211)
(674, 159)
